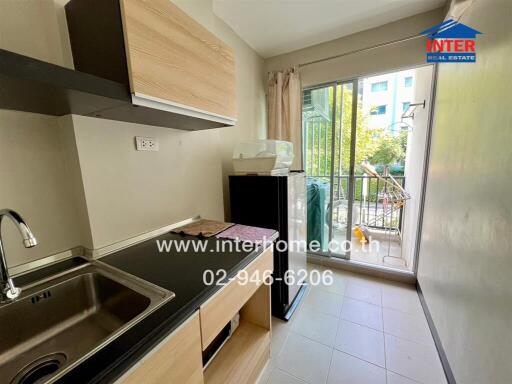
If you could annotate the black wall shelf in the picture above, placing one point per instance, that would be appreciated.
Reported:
(32, 85)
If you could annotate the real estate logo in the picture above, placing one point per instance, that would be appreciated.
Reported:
(451, 42)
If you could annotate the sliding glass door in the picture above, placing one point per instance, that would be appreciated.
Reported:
(328, 144)
(364, 144)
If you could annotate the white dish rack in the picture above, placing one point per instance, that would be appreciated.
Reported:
(263, 157)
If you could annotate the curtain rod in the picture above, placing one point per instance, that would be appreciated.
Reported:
(413, 37)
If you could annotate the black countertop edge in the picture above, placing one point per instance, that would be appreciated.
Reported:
(150, 341)
(147, 342)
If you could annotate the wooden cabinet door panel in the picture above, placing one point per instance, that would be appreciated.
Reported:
(177, 360)
(173, 58)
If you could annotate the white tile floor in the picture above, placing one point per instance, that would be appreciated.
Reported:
(359, 330)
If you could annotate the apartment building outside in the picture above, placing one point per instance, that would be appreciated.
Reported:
(385, 98)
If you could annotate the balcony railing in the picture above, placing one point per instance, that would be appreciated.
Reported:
(368, 207)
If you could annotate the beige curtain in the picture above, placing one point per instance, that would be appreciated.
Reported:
(284, 99)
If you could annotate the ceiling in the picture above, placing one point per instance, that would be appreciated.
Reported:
(273, 27)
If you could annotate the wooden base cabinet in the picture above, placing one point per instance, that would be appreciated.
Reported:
(243, 357)
(221, 307)
(178, 359)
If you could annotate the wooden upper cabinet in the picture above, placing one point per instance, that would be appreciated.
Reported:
(173, 59)
(169, 61)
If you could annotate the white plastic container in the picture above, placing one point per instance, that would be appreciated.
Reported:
(265, 157)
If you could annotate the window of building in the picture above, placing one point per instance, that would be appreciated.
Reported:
(408, 81)
(405, 105)
(380, 86)
(307, 99)
(378, 110)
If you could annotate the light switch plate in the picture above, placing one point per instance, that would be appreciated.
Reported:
(146, 143)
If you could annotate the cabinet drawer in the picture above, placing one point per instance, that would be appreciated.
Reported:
(221, 308)
(176, 360)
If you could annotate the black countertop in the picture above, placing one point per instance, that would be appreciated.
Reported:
(180, 272)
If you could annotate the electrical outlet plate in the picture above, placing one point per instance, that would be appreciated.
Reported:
(146, 143)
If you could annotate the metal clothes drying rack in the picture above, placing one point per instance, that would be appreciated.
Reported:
(393, 197)
(408, 114)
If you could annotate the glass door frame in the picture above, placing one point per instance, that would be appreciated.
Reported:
(428, 144)
(350, 184)
(351, 172)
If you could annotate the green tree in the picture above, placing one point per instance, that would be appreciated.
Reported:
(373, 145)
(404, 136)
(389, 150)
(365, 145)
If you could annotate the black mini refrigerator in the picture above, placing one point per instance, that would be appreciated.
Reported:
(279, 203)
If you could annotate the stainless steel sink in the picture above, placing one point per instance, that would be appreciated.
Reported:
(59, 322)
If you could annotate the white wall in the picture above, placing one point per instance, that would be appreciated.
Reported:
(130, 192)
(33, 28)
(380, 60)
(465, 263)
(124, 192)
(39, 177)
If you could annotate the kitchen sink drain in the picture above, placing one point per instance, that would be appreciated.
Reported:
(41, 369)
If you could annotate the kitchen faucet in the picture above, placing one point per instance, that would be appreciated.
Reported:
(8, 291)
